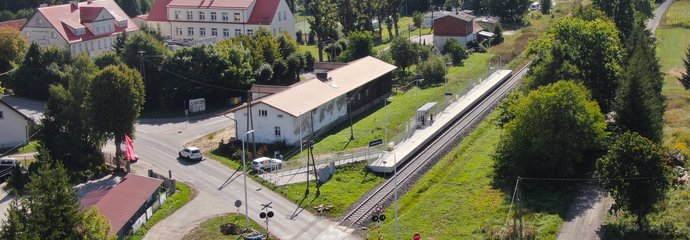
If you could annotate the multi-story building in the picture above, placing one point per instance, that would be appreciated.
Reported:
(214, 20)
(89, 27)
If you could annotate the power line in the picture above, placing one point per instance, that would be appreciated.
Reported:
(195, 81)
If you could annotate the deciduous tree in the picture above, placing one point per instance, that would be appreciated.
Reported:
(116, 99)
(457, 52)
(13, 45)
(626, 13)
(635, 173)
(509, 10)
(550, 132)
(361, 45)
(433, 70)
(404, 53)
(323, 22)
(143, 49)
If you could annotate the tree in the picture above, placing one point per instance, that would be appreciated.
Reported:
(309, 61)
(626, 13)
(433, 70)
(117, 104)
(264, 74)
(131, 7)
(347, 15)
(546, 6)
(154, 52)
(94, 226)
(13, 45)
(119, 44)
(40, 69)
(457, 52)
(323, 22)
(286, 44)
(144, 6)
(280, 69)
(579, 50)
(509, 10)
(685, 77)
(404, 53)
(418, 18)
(635, 173)
(106, 59)
(639, 103)
(361, 45)
(295, 64)
(498, 34)
(50, 209)
(551, 131)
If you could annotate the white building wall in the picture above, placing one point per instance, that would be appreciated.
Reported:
(39, 30)
(264, 126)
(13, 127)
(439, 41)
(283, 21)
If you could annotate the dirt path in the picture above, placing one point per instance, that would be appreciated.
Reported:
(586, 214)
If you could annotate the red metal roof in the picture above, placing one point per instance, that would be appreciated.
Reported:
(122, 202)
(264, 11)
(60, 16)
(88, 14)
(159, 11)
(212, 3)
(16, 24)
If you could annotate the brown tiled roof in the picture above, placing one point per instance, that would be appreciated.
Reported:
(122, 201)
(16, 24)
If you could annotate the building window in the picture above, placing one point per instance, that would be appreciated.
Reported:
(2, 116)
(214, 32)
(202, 32)
(280, 115)
(179, 31)
(202, 16)
(189, 15)
(213, 16)
(284, 15)
(237, 17)
(277, 131)
(226, 17)
(190, 31)
(263, 113)
(238, 32)
(226, 32)
(280, 16)
(250, 32)
(52, 34)
(177, 15)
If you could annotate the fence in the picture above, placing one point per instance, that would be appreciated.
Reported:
(168, 182)
(339, 158)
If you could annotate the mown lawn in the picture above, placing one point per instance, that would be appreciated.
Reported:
(210, 229)
(348, 184)
(181, 197)
(456, 199)
(672, 44)
(401, 108)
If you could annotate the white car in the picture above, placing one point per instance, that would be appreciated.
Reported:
(190, 153)
(265, 163)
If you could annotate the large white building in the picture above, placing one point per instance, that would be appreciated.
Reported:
(214, 20)
(87, 27)
(311, 105)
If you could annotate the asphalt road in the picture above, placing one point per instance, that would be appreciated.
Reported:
(157, 143)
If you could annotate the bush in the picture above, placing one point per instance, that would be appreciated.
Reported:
(309, 61)
(299, 37)
(311, 38)
(433, 70)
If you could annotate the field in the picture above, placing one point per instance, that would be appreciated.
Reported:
(679, 14)
(458, 193)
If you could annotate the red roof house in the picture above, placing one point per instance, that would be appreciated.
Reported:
(460, 27)
(16, 24)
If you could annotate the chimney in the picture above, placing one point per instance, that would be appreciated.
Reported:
(89, 1)
(42, 5)
(323, 76)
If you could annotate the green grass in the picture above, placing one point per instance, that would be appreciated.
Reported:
(231, 163)
(345, 187)
(182, 196)
(679, 14)
(29, 148)
(210, 229)
(400, 109)
(456, 199)
(312, 49)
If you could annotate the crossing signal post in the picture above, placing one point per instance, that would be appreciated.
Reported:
(378, 218)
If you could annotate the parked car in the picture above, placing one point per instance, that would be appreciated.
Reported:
(535, 6)
(265, 163)
(191, 153)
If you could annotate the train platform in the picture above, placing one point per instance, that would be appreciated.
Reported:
(402, 151)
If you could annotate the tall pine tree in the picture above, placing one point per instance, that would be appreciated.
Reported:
(685, 77)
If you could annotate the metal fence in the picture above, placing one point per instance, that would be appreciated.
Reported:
(339, 158)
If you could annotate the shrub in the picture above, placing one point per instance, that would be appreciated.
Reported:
(299, 37)
(433, 70)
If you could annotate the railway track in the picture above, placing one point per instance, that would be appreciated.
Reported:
(426, 157)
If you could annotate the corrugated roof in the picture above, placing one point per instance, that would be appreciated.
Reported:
(122, 202)
(211, 3)
(310, 94)
(263, 12)
(60, 16)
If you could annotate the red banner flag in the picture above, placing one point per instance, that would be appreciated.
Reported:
(129, 152)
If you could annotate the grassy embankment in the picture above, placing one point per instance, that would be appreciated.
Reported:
(210, 229)
(672, 221)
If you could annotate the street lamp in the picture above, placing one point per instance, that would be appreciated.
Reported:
(244, 167)
(385, 116)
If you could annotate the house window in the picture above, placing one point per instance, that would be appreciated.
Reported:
(237, 17)
(189, 15)
(179, 31)
(202, 16)
(52, 34)
(202, 32)
(177, 15)
(238, 32)
(280, 115)
(263, 113)
(225, 17)
(250, 32)
(190, 31)
(226, 32)
(1, 116)
(284, 15)
(214, 32)
(277, 131)
(213, 16)
(280, 16)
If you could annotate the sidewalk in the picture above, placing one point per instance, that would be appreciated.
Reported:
(401, 153)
